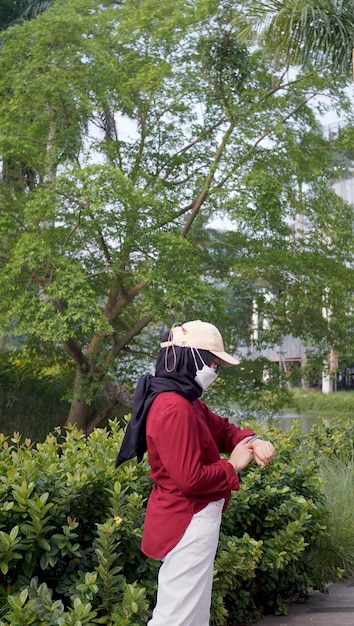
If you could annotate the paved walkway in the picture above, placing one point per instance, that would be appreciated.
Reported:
(321, 609)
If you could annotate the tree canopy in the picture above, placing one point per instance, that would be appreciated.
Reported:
(125, 130)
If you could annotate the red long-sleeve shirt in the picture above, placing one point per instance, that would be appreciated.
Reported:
(184, 442)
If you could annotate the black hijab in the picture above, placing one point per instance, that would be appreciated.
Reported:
(175, 371)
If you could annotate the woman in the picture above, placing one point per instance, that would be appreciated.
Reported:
(192, 484)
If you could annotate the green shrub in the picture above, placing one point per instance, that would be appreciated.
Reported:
(71, 526)
(272, 525)
(70, 531)
(334, 439)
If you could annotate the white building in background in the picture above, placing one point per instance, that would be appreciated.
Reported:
(292, 352)
(345, 189)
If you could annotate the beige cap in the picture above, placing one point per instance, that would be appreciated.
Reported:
(201, 335)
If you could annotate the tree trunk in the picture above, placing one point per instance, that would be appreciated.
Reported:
(80, 413)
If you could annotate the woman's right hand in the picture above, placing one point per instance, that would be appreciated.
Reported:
(241, 455)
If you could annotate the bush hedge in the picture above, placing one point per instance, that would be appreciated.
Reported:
(71, 524)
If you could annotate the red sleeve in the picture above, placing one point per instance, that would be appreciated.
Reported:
(187, 451)
(225, 434)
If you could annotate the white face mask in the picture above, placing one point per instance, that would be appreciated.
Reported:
(206, 376)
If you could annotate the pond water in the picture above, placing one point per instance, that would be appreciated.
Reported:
(282, 420)
(285, 420)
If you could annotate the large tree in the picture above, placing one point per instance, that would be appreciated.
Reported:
(124, 130)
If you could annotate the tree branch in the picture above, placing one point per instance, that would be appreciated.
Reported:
(263, 136)
(119, 345)
(205, 191)
(113, 306)
(72, 347)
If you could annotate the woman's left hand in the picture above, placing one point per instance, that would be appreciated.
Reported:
(263, 451)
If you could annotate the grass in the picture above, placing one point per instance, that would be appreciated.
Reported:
(338, 404)
(338, 487)
(337, 474)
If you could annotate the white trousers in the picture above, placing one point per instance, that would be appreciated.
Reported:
(186, 575)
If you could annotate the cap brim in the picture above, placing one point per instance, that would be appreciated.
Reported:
(226, 359)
